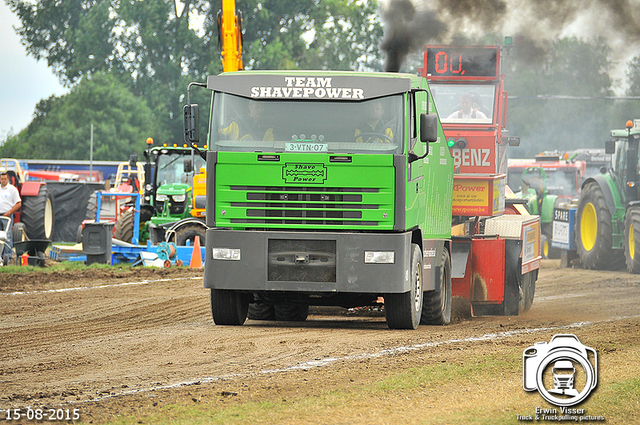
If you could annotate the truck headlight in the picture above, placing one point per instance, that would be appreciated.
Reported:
(161, 198)
(230, 254)
(179, 198)
(379, 257)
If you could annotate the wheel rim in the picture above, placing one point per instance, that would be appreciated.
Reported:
(545, 249)
(632, 242)
(588, 227)
(417, 289)
(48, 219)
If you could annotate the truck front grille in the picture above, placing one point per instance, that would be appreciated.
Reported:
(308, 206)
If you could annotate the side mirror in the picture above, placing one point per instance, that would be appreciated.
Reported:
(187, 166)
(191, 121)
(428, 128)
(610, 147)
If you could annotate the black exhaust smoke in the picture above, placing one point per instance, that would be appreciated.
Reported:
(409, 25)
(406, 30)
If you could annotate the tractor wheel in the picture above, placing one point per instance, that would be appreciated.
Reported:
(632, 239)
(18, 233)
(437, 303)
(544, 246)
(92, 207)
(124, 226)
(37, 214)
(189, 233)
(594, 231)
(228, 307)
(403, 310)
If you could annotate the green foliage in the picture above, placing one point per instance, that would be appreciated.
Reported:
(561, 99)
(633, 75)
(156, 54)
(61, 126)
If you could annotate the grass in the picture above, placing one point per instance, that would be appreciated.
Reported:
(62, 266)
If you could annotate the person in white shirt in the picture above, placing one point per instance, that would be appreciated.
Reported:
(466, 109)
(10, 202)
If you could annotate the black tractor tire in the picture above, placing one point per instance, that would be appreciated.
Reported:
(436, 309)
(594, 231)
(37, 214)
(189, 232)
(632, 239)
(403, 310)
(19, 234)
(291, 312)
(549, 251)
(123, 229)
(229, 307)
(92, 207)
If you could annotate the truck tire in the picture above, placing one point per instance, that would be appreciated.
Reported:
(123, 229)
(594, 231)
(189, 233)
(291, 312)
(632, 239)
(228, 307)
(261, 312)
(403, 311)
(37, 214)
(437, 304)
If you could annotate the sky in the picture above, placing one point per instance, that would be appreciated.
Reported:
(23, 80)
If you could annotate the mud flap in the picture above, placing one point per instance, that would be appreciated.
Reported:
(513, 277)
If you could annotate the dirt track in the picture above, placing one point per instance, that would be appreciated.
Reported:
(113, 345)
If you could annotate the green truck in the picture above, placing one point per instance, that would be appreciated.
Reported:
(306, 205)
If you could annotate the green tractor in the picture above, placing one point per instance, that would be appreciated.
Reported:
(608, 214)
(540, 202)
(167, 211)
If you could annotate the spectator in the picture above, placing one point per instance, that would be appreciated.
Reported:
(10, 202)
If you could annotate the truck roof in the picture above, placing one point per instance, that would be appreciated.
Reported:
(313, 85)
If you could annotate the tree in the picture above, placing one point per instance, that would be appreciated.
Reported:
(61, 126)
(157, 53)
(633, 76)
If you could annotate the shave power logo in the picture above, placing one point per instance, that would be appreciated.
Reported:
(564, 372)
(304, 173)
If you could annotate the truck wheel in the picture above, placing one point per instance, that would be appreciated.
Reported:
(189, 233)
(632, 240)
(18, 233)
(594, 231)
(437, 303)
(402, 311)
(37, 214)
(228, 307)
(291, 312)
(261, 312)
(123, 229)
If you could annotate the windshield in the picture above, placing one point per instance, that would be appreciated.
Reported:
(248, 125)
(171, 167)
(464, 103)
